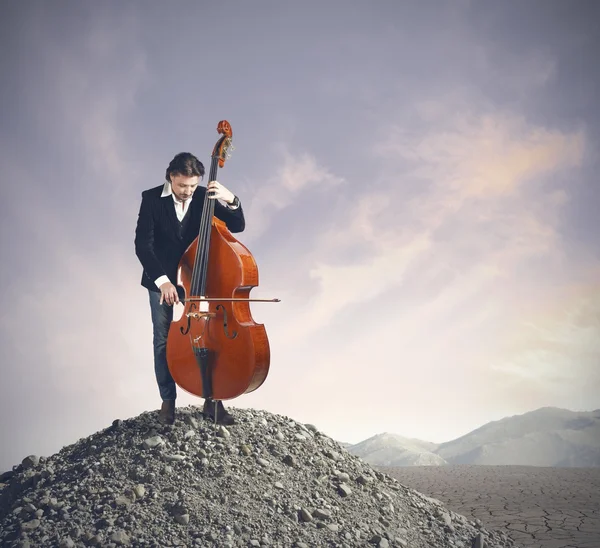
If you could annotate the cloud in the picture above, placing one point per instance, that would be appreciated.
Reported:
(296, 175)
(418, 287)
(517, 73)
(90, 93)
(492, 182)
(475, 214)
(491, 155)
(558, 342)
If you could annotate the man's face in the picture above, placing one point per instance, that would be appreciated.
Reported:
(183, 187)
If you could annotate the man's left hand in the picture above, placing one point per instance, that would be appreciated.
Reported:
(216, 191)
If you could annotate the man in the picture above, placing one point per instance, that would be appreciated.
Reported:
(168, 222)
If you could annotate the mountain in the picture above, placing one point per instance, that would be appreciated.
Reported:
(545, 437)
(548, 436)
(393, 450)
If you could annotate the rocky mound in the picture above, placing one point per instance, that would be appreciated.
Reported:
(265, 481)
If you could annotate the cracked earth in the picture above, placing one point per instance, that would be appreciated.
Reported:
(539, 507)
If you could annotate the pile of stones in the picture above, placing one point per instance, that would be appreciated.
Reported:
(265, 481)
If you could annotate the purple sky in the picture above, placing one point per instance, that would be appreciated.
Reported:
(420, 187)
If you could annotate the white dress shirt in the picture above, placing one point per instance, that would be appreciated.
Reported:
(181, 211)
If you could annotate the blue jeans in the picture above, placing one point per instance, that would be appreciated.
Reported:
(162, 315)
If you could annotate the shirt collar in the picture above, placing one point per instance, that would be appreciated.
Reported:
(167, 191)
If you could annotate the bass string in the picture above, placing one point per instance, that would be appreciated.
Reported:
(210, 207)
(201, 260)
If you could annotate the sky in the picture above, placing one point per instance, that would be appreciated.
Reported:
(420, 187)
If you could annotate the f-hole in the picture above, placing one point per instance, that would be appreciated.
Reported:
(234, 334)
(187, 327)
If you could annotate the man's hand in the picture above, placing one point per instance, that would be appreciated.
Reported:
(168, 293)
(217, 191)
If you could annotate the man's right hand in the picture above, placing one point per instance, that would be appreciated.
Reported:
(168, 293)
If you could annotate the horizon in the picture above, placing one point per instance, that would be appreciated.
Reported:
(341, 441)
(478, 427)
(419, 185)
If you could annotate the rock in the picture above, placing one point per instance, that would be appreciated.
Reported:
(184, 519)
(342, 476)
(289, 460)
(120, 538)
(223, 432)
(333, 455)
(364, 480)
(30, 525)
(173, 458)
(305, 515)
(5, 476)
(478, 541)
(378, 540)
(322, 513)
(123, 501)
(154, 441)
(30, 462)
(344, 490)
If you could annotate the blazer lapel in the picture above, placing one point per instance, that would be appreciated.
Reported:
(169, 210)
(197, 204)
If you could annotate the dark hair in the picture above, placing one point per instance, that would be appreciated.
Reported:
(185, 164)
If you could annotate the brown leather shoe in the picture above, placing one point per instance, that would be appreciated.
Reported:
(167, 412)
(209, 411)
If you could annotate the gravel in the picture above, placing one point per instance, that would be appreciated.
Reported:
(265, 481)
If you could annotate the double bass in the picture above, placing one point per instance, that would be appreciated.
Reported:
(215, 349)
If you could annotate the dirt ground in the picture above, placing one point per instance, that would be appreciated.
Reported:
(539, 507)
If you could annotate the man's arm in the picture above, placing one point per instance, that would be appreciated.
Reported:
(233, 218)
(232, 214)
(144, 243)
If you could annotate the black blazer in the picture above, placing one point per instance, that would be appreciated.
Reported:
(161, 240)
